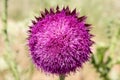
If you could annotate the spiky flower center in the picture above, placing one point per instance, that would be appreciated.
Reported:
(60, 41)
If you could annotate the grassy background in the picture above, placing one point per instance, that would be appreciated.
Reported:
(104, 15)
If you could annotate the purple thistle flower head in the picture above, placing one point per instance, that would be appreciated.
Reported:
(60, 41)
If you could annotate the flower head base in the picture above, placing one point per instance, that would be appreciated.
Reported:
(60, 41)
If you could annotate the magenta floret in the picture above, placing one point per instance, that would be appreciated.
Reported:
(60, 41)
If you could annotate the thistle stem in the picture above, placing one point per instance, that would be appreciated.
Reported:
(8, 58)
(62, 77)
(4, 19)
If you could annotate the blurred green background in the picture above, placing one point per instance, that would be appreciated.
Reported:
(104, 15)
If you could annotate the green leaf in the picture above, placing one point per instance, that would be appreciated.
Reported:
(100, 54)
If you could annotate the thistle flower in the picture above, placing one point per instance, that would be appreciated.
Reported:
(60, 41)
